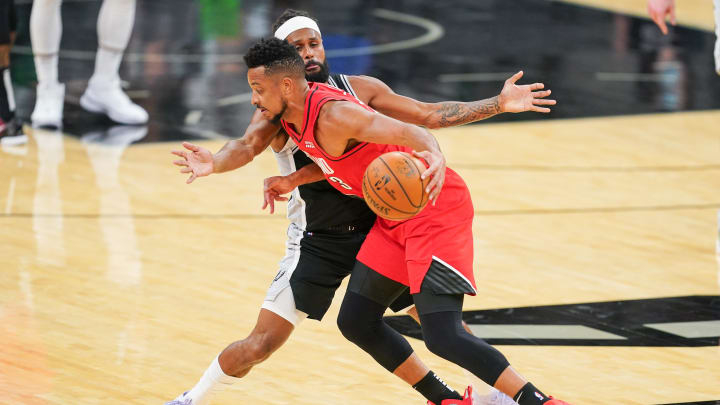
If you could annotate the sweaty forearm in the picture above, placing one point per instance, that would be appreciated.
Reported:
(451, 113)
(232, 155)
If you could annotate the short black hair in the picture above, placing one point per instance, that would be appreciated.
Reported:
(288, 14)
(276, 55)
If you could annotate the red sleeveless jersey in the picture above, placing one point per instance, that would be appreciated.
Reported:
(344, 172)
(400, 250)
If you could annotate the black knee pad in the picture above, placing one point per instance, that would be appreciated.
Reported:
(360, 321)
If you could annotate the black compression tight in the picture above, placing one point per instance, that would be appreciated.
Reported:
(445, 336)
(360, 321)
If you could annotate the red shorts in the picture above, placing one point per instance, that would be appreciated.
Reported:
(404, 250)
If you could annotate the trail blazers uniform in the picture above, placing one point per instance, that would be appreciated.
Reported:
(432, 250)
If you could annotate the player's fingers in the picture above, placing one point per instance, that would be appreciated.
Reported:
(280, 198)
(544, 101)
(180, 162)
(672, 15)
(437, 189)
(540, 109)
(186, 170)
(190, 146)
(430, 188)
(541, 94)
(191, 178)
(179, 153)
(660, 21)
(424, 155)
(514, 78)
(537, 86)
(431, 171)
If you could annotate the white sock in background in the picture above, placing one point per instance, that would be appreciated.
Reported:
(45, 34)
(114, 27)
(213, 381)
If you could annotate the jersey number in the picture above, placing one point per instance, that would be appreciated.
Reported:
(325, 167)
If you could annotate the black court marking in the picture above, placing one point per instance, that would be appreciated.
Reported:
(648, 322)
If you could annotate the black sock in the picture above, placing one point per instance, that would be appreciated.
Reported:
(434, 389)
(529, 395)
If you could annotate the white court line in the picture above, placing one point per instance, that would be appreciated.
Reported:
(11, 194)
(237, 99)
(434, 32)
(475, 77)
(690, 330)
(630, 77)
(487, 331)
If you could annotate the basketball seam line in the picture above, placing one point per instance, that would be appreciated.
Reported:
(367, 179)
(400, 184)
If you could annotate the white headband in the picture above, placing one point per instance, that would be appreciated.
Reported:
(294, 24)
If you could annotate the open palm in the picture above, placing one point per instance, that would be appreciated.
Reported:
(195, 160)
(514, 98)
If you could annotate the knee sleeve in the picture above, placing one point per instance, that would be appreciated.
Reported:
(444, 336)
(360, 321)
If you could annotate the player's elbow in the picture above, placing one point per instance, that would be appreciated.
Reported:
(430, 117)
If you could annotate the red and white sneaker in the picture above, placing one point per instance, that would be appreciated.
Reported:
(466, 400)
(554, 401)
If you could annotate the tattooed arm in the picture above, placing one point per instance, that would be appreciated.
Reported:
(513, 98)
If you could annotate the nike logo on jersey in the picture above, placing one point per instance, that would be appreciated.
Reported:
(309, 144)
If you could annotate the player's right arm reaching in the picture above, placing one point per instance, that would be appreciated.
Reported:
(200, 162)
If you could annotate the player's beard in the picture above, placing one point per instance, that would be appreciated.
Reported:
(322, 75)
(276, 119)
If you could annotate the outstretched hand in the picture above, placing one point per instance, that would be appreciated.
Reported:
(195, 160)
(659, 11)
(519, 98)
(273, 189)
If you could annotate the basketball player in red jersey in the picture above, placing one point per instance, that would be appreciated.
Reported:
(431, 253)
(278, 317)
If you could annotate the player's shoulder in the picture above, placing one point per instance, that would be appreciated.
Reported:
(341, 115)
(367, 81)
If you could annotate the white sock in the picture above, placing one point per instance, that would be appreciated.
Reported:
(107, 65)
(46, 67)
(45, 33)
(214, 380)
(114, 27)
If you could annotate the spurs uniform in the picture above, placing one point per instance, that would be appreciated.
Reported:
(431, 250)
(326, 231)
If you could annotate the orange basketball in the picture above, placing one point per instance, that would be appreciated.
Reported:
(392, 186)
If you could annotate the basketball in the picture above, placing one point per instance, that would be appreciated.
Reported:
(392, 186)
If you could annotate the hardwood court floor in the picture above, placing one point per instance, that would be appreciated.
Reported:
(120, 283)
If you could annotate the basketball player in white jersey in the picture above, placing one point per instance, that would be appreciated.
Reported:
(103, 94)
(659, 10)
(327, 227)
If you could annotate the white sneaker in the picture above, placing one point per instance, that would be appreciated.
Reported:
(494, 397)
(48, 110)
(180, 400)
(108, 98)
